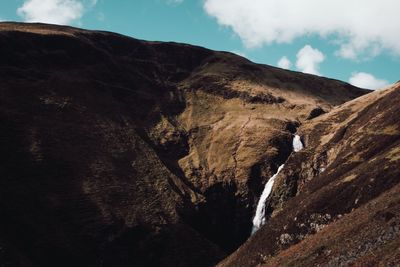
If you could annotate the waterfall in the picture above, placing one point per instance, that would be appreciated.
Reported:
(259, 218)
(297, 144)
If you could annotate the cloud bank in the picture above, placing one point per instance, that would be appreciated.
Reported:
(360, 28)
(366, 80)
(53, 11)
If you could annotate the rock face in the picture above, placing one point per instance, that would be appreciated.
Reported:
(121, 152)
(336, 202)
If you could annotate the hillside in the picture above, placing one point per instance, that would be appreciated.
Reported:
(122, 152)
(336, 203)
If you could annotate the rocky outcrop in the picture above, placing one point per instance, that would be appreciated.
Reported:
(121, 152)
(336, 202)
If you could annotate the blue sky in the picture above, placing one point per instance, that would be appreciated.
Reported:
(315, 37)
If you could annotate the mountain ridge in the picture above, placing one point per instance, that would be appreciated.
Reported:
(118, 151)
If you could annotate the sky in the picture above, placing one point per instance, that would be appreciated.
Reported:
(356, 41)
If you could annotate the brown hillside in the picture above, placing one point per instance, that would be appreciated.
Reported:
(121, 152)
(336, 203)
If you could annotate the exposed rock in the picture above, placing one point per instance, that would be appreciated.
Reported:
(315, 113)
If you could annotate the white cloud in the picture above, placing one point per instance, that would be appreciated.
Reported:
(54, 11)
(308, 60)
(366, 80)
(284, 63)
(359, 27)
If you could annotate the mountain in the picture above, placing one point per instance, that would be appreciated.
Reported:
(122, 152)
(337, 202)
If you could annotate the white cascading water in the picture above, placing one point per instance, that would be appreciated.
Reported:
(297, 144)
(259, 218)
